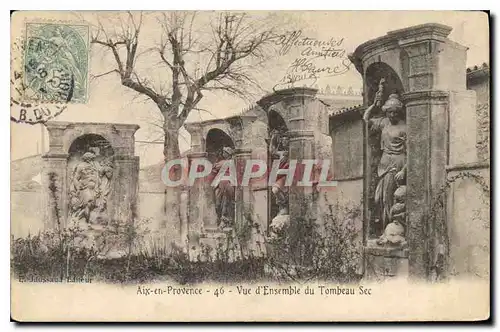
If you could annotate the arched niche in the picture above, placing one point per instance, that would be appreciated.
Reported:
(75, 137)
(91, 143)
(223, 196)
(94, 143)
(276, 121)
(90, 179)
(215, 140)
(373, 152)
(278, 115)
(374, 73)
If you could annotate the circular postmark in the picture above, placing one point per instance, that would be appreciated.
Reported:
(23, 111)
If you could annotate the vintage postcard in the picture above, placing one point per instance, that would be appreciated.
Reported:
(260, 166)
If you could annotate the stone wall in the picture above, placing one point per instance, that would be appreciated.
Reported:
(347, 140)
(468, 224)
(152, 208)
(468, 204)
(478, 80)
(152, 195)
(26, 213)
(25, 199)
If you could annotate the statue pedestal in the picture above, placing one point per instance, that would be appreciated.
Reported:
(385, 262)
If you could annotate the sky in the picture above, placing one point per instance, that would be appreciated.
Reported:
(111, 102)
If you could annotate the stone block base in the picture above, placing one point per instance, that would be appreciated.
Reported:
(383, 262)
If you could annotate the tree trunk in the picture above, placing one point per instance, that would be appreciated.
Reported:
(172, 218)
(171, 144)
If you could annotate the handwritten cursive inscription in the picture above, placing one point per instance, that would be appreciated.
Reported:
(294, 39)
(307, 66)
(318, 59)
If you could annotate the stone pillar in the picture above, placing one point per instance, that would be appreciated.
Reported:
(124, 199)
(184, 215)
(55, 164)
(436, 67)
(300, 109)
(302, 146)
(243, 194)
(427, 158)
(300, 197)
(190, 232)
(241, 133)
(198, 216)
(54, 184)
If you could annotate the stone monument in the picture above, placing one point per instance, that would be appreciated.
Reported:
(90, 174)
(419, 74)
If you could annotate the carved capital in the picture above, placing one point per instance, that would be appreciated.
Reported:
(301, 134)
(196, 131)
(425, 97)
(56, 156)
(419, 33)
(243, 153)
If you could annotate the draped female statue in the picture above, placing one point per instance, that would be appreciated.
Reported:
(89, 189)
(391, 170)
(224, 192)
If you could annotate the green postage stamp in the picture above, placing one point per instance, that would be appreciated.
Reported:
(56, 62)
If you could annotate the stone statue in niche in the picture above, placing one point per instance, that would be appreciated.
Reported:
(90, 186)
(279, 145)
(224, 191)
(391, 170)
(105, 176)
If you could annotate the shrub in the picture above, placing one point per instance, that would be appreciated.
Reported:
(328, 250)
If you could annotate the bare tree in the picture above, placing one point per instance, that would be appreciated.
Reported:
(196, 53)
(219, 58)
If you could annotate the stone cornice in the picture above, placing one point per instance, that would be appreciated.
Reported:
(279, 95)
(192, 155)
(429, 31)
(194, 126)
(125, 158)
(244, 117)
(242, 151)
(469, 166)
(396, 38)
(426, 95)
(241, 120)
(55, 156)
(65, 125)
(294, 134)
